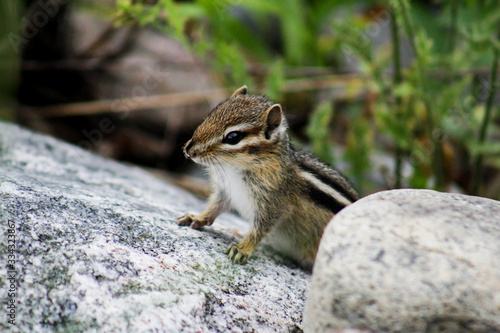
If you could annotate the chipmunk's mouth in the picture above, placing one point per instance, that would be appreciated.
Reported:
(197, 160)
(203, 160)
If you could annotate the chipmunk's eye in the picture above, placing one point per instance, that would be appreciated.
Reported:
(233, 138)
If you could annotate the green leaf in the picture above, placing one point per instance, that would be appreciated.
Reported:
(275, 81)
(360, 143)
(487, 148)
(404, 89)
(318, 131)
(231, 61)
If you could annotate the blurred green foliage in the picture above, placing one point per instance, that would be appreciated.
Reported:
(241, 31)
(10, 35)
(423, 111)
(319, 131)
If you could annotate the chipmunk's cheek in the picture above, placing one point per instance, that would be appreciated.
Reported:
(252, 150)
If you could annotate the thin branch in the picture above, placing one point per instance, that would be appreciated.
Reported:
(99, 41)
(125, 104)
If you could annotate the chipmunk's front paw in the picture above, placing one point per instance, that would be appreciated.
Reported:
(185, 219)
(189, 219)
(237, 255)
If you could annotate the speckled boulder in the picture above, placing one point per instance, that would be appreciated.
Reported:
(409, 261)
(96, 249)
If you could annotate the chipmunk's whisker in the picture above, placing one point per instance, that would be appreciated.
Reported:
(223, 176)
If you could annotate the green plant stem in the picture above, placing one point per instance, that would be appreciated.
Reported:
(10, 60)
(398, 78)
(454, 24)
(478, 164)
(453, 36)
(437, 148)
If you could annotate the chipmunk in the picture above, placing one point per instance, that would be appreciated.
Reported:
(286, 195)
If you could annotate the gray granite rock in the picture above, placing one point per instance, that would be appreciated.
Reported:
(97, 250)
(409, 261)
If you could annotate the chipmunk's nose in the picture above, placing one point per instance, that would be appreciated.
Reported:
(187, 149)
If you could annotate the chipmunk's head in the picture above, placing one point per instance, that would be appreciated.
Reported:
(239, 131)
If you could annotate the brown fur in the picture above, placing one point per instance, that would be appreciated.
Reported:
(271, 171)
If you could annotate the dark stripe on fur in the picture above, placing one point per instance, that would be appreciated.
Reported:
(323, 199)
(328, 181)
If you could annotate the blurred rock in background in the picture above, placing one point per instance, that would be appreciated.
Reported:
(148, 91)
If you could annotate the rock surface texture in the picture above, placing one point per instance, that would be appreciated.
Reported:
(97, 249)
(409, 261)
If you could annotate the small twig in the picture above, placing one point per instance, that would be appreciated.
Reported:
(99, 41)
(125, 104)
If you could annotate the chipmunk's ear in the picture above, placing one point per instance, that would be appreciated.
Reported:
(240, 91)
(273, 116)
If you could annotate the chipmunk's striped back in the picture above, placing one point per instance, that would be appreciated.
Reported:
(326, 187)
